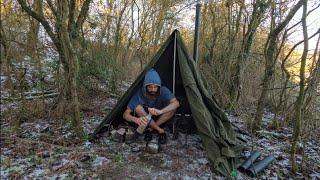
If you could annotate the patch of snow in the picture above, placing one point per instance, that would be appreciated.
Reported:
(67, 135)
(315, 175)
(125, 86)
(284, 162)
(167, 162)
(91, 123)
(111, 102)
(8, 106)
(3, 78)
(59, 176)
(107, 141)
(87, 144)
(38, 126)
(35, 134)
(4, 94)
(4, 173)
(186, 177)
(38, 172)
(161, 174)
(193, 165)
(203, 161)
(5, 151)
(60, 164)
(99, 161)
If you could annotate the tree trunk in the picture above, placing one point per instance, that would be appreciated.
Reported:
(6, 63)
(32, 45)
(300, 99)
(69, 55)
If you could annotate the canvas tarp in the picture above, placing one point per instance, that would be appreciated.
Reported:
(212, 124)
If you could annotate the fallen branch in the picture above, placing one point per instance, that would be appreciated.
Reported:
(274, 134)
(30, 97)
(277, 88)
(114, 95)
(42, 96)
(32, 93)
(63, 167)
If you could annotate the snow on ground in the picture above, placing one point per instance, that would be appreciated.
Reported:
(46, 149)
(104, 158)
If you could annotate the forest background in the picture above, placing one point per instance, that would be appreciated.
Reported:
(58, 58)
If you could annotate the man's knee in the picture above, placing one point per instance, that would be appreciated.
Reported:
(171, 113)
(166, 117)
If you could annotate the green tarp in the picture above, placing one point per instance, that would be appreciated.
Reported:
(212, 124)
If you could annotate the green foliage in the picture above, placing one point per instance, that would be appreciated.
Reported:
(86, 136)
(81, 115)
(68, 177)
(100, 67)
(118, 158)
(234, 173)
(55, 67)
(94, 66)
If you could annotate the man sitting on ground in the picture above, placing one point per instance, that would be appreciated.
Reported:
(154, 99)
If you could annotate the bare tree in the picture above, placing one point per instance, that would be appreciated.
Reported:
(270, 61)
(259, 9)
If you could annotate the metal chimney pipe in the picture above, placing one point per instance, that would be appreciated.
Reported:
(196, 32)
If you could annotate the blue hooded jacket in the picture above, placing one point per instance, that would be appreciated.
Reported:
(140, 98)
(151, 77)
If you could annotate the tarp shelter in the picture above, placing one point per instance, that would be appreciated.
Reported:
(180, 74)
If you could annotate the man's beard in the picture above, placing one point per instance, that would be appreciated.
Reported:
(153, 94)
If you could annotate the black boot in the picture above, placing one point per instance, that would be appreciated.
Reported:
(162, 138)
(148, 135)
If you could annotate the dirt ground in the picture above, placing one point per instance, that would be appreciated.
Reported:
(46, 149)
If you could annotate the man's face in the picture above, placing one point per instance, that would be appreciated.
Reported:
(152, 89)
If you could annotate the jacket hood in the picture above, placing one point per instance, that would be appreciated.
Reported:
(151, 77)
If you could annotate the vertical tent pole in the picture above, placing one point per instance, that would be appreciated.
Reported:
(196, 32)
(174, 64)
(174, 76)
